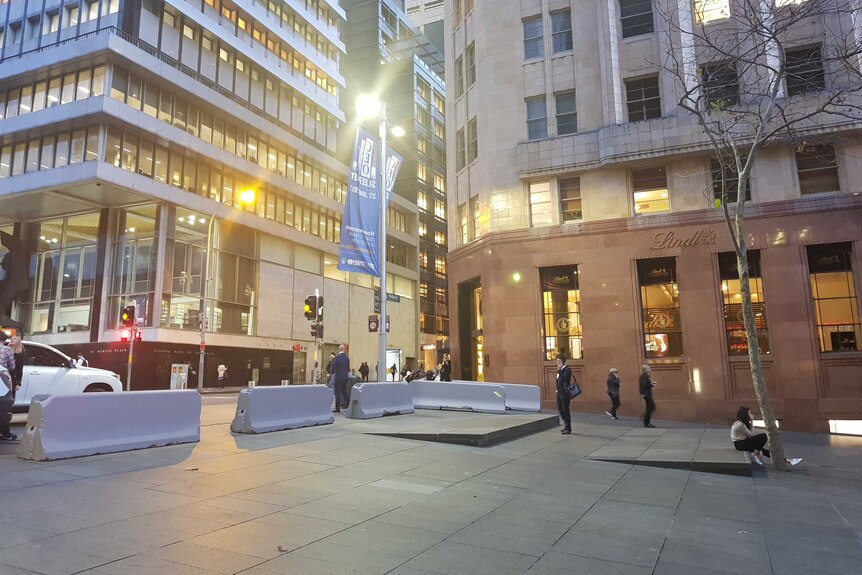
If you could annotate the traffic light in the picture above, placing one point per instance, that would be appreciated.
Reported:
(128, 316)
(139, 335)
(125, 335)
(311, 308)
(317, 330)
(320, 308)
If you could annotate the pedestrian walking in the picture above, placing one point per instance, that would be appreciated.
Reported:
(81, 361)
(564, 379)
(340, 376)
(744, 438)
(222, 374)
(363, 370)
(446, 368)
(7, 357)
(20, 355)
(614, 392)
(645, 383)
(6, 402)
(394, 371)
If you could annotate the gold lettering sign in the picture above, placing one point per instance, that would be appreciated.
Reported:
(667, 240)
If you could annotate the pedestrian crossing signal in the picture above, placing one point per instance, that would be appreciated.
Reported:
(128, 316)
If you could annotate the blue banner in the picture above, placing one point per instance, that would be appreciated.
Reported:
(360, 226)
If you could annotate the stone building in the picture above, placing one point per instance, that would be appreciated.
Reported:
(584, 221)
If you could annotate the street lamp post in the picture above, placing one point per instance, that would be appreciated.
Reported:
(245, 197)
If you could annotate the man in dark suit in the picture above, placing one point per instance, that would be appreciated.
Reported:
(340, 374)
(645, 383)
(564, 378)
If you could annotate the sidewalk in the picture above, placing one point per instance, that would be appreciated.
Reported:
(335, 500)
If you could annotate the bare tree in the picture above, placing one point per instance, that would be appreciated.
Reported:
(742, 78)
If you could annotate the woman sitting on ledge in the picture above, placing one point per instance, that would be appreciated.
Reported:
(744, 439)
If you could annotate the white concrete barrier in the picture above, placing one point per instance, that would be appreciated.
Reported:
(369, 400)
(263, 409)
(62, 426)
(519, 397)
(482, 397)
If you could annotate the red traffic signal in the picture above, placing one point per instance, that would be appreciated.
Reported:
(125, 335)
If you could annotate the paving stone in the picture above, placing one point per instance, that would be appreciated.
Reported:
(563, 564)
(455, 558)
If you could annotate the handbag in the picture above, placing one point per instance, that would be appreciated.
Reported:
(574, 389)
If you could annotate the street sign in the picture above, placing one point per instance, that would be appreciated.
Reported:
(390, 297)
(297, 348)
(374, 323)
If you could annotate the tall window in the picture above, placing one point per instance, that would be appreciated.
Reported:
(470, 57)
(533, 40)
(720, 84)
(473, 140)
(660, 307)
(731, 182)
(649, 187)
(731, 295)
(804, 71)
(464, 223)
(708, 10)
(541, 208)
(817, 169)
(636, 17)
(561, 306)
(459, 76)
(570, 199)
(834, 293)
(567, 114)
(460, 150)
(561, 30)
(642, 99)
(537, 119)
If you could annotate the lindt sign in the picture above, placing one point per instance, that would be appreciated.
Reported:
(667, 240)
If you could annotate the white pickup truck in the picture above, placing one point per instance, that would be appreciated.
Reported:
(50, 371)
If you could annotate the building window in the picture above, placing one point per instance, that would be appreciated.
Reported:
(561, 308)
(561, 31)
(423, 259)
(464, 223)
(731, 295)
(459, 76)
(421, 201)
(440, 266)
(649, 186)
(537, 119)
(803, 71)
(731, 182)
(440, 183)
(541, 208)
(421, 171)
(643, 99)
(817, 168)
(567, 114)
(460, 151)
(570, 199)
(470, 56)
(423, 89)
(660, 307)
(709, 10)
(533, 40)
(472, 140)
(834, 293)
(440, 208)
(720, 84)
(635, 17)
(440, 238)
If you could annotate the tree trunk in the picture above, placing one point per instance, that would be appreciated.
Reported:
(772, 431)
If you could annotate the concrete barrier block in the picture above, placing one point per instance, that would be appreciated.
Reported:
(368, 400)
(264, 409)
(480, 397)
(519, 397)
(63, 426)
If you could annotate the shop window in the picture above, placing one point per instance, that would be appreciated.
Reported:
(661, 320)
(541, 208)
(833, 291)
(731, 295)
(570, 199)
(817, 168)
(649, 186)
(533, 38)
(562, 332)
(643, 100)
(804, 71)
(636, 17)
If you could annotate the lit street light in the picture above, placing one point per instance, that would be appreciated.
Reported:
(246, 197)
(369, 106)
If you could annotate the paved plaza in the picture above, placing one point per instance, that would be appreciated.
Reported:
(338, 500)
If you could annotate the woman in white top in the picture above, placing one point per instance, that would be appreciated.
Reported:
(744, 438)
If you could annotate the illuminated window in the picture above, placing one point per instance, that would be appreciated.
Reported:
(660, 307)
(833, 290)
(439, 209)
(541, 208)
(421, 171)
(731, 295)
(421, 201)
(561, 307)
(423, 259)
(440, 238)
(440, 183)
(440, 266)
(423, 230)
(649, 186)
(708, 10)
